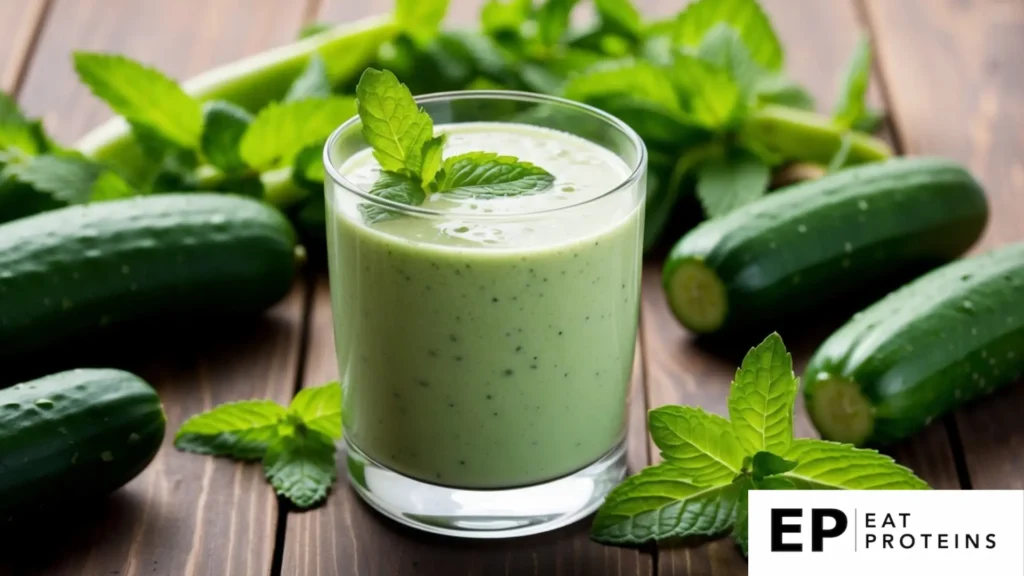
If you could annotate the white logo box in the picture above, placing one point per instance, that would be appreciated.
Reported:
(932, 532)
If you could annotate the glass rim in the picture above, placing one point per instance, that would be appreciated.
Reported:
(635, 175)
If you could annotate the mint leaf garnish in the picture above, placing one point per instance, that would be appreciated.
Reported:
(660, 502)
(224, 124)
(241, 430)
(432, 150)
(312, 83)
(727, 182)
(766, 464)
(281, 130)
(739, 529)
(762, 396)
(319, 409)
(851, 106)
(823, 465)
(703, 442)
(300, 466)
(393, 124)
(488, 175)
(143, 96)
(395, 187)
(746, 16)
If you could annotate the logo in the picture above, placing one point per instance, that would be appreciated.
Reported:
(886, 532)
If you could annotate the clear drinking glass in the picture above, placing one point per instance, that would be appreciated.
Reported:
(486, 356)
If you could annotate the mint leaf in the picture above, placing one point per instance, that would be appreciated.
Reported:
(393, 124)
(822, 465)
(16, 131)
(504, 15)
(635, 78)
(553, 20)
(314, 29)
(281, 130)
(870, 120)
(704, 443)
(762, 396)
(660, 503)
(778, 89)
(851, 107)
(109, 186)
(488, 175)
(241, 430)
(740, 526)
(746, 16)
(432, 150)
(396, 187)
(766, 464)
(308, 168)
(69, 179)
(10, 112)
(421, 19)
(224, 125)
(620, 15)
(727, 182)
(319, 409)
(142, 95)
(301, 467)
(313, 82)
(711, 97)
(723, 48)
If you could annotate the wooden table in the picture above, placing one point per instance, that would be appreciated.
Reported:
(948, 71)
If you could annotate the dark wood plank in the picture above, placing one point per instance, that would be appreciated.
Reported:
(185, 514)
(819, 38)
(956, 86)
(19, 22)
(347, 538)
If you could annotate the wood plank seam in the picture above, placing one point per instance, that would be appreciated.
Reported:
(24, 47)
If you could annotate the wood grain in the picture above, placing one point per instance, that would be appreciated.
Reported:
(186, 514)
(19, 22)
(956, 86)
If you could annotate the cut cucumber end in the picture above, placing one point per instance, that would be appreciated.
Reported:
(697, 296)
(840, 411)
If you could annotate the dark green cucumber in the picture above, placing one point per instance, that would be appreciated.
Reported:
(949, 336)
(796, 249)
(75, 434)
(71, 272)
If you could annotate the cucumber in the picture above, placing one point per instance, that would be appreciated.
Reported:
(793, 251)
(948, 337)
(73, 272)
(74, 434)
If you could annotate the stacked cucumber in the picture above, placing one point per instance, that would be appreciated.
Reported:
(926, 348)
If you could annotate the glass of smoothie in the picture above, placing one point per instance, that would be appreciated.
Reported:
(485, 345)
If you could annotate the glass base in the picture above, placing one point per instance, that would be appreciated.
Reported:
(486, 513)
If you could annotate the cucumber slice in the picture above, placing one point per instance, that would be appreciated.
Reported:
(697, 295)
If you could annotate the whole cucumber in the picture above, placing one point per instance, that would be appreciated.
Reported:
(75, 434)
(952, 335)
(801, 247)
(74, 271)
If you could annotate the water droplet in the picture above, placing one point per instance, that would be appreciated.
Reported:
(862, 204)
(217, 219)
(126, 269)
(848, 247)
(44, 403)
(967, 305)
(801, 228)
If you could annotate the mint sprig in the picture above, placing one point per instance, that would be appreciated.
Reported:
(401, 135)
(296, 444)
(710, 463)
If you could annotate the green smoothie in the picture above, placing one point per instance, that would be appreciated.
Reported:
(490, 343)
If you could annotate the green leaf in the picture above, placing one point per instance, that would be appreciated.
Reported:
(312, 83)
(319, 409)
(711, 98)
(432, 150)
(659, 503)
(314, 29)
(504, 15)
(301, 466)
(68, 179)
(142, 95)
(488, 175)
(723, 48)
(620, 15)
(281, 130)
(740, 526)
(240, 430)
(393, 124)
(746, 16)
(851, 106)
(776, 88)
(700, 442)
(766, 464)
(16, 131)
(762, 396)
(553, 20)
(308, 168)
(421, 19)
(870, 120)
(822, 465)
(637, 79)
(843, 154)
(224, 125)
(109, 186)
(727, 182)
(10, 112)
(396, 187)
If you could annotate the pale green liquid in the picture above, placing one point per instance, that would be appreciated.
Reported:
(487, 354)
